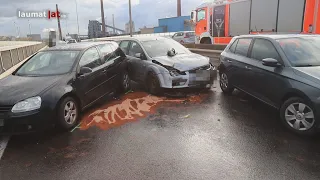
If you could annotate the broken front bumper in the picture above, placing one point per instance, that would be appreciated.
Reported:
(191, 79)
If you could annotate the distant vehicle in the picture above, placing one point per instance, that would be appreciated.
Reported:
(280, 70)
(56, 84)
(161, 63)
(184, 37)
(70, 41)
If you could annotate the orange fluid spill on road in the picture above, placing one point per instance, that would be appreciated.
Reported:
(135, 105)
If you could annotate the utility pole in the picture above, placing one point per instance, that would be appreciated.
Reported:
(77, 16)
(178, 8)
(130, 17)
(59, 27)
(102, 19)
(114, 31)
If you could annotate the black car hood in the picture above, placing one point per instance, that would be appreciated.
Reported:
(183, 62)
(310, 73)
(17, 88)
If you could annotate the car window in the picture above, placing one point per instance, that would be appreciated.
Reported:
(48, 63)
(190, 34)
(179, 34)
(302, 51)
(201, 14)
(107, 52)
(243, 46)
(124, 46)
(233, 46)
(134, 49)
(262, 49)
(90, 59)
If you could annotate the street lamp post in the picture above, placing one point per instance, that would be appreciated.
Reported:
(77, 16)
(29, 27)
(130, 17)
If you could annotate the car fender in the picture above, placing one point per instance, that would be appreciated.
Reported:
(52, 97)
(162, 75)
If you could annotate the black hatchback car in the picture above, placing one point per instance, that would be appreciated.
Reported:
(280, 70)
(55, 84)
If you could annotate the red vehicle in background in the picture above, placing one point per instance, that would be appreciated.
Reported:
(218, 21)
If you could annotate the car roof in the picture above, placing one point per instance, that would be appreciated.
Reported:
(75, 46)
(278, 36)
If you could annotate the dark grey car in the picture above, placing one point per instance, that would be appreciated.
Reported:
(280, 70)
(161, 63)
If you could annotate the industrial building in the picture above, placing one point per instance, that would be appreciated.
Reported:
(94, 29)
(173, 24)
(127, 27)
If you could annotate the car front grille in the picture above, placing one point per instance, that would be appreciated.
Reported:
(4, 109)
(206, 67)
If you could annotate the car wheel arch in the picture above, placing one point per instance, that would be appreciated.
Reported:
(74, 96)
(294, 93)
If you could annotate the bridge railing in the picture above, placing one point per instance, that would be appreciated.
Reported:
(13, 52)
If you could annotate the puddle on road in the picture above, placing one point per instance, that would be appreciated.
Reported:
(131, 107)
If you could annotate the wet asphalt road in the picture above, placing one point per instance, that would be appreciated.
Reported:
(213, 137)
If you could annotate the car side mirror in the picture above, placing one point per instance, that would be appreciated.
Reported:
(85, 70)
(271, 62)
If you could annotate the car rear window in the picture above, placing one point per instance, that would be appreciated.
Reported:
(243, 46)
(190, 34)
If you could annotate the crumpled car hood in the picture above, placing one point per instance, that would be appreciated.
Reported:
(183, 62)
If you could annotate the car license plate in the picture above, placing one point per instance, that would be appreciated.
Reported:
(202, 75)
(1, 122)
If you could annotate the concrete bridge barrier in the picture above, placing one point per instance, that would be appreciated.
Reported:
(13, 52)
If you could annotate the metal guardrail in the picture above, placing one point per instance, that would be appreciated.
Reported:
(13, 54)
(206, 46)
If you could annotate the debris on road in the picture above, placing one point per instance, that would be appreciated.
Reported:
(186, 116)
(77, 127)
(130, 91)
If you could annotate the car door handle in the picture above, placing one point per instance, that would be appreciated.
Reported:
(229, 61)
(103, 71)
(249, 68)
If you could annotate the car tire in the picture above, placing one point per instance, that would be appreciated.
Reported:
(153, 84)
(299, 116)
(225, 86)
(125, 85)
(68, 113)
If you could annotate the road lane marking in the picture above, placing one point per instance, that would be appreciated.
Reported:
(3, 144)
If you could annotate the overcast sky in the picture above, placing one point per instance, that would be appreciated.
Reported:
(144, 13)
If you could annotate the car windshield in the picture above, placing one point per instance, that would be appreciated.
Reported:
(48, 63)
(160, 47)
(302, 51)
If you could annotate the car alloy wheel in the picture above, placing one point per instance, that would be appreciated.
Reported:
(70, 113)
(224, 81)
(299, 116)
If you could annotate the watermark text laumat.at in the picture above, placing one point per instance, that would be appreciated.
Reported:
(48, 14)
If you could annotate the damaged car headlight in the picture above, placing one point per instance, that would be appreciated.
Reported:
(174, 73)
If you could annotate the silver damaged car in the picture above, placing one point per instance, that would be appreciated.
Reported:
(161, 63)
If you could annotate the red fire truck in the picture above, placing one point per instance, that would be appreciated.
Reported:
(218, 21)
